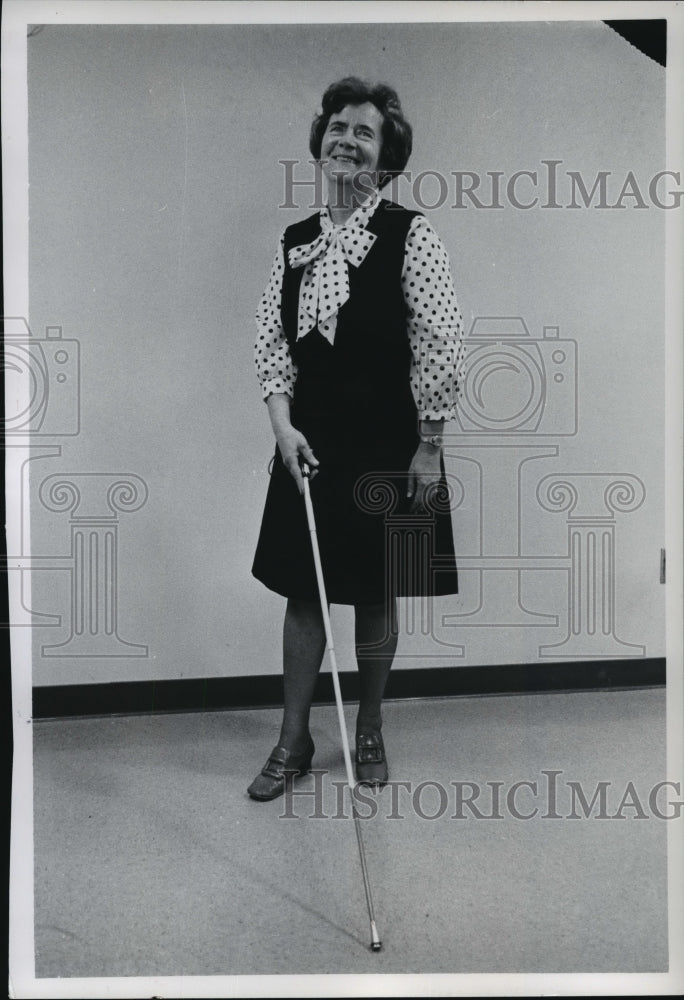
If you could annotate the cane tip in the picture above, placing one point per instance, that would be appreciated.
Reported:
(376, 945)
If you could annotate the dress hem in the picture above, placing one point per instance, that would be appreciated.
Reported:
(346, 599)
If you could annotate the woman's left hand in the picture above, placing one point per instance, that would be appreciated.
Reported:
(424, 472)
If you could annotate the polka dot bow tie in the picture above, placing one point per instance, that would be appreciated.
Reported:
(325, 282)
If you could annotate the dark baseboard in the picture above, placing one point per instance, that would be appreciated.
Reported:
(221, 693)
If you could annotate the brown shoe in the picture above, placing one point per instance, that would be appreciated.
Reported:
(371, 763)
(270, 782)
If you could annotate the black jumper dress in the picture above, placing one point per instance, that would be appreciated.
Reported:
(353, 403)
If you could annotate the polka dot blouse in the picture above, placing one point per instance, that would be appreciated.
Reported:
(434, 324)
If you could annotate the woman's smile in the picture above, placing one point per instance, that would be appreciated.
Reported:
(352, 143)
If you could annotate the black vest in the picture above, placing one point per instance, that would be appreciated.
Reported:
(362, 381)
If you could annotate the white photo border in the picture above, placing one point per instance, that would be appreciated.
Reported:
(17, 15)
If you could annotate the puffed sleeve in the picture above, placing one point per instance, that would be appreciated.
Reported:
(275, 368)
(435, 326)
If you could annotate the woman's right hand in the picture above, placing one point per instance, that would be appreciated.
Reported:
(291, 442)
(293, 448)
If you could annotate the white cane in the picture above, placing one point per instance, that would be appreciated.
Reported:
(376, 943)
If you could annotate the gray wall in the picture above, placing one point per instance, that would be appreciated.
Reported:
(154, 186)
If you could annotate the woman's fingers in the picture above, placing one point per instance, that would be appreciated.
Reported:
(309, 457)
(418, 496)
(424, 484)
(415, 491)
(292, 465)
(295, 449)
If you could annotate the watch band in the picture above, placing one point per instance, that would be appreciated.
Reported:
(436, 440)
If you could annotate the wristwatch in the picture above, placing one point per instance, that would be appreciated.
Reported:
(436, 440)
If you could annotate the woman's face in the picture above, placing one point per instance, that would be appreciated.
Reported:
(351, 146)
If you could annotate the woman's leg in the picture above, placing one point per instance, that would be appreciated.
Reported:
(376, 644)
(303, 648)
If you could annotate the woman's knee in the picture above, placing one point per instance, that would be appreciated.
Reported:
(380, 619)
(304, 610)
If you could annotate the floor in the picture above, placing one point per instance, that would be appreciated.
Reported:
(150, 860)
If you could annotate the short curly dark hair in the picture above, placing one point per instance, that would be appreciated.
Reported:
(397, 134)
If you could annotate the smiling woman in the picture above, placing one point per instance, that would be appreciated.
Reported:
(350, 152)
(357, 354)
(367, 109)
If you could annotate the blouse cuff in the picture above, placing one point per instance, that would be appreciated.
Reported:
(437, 413)
(273, 385)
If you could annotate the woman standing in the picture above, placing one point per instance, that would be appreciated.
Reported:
(357, 352)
